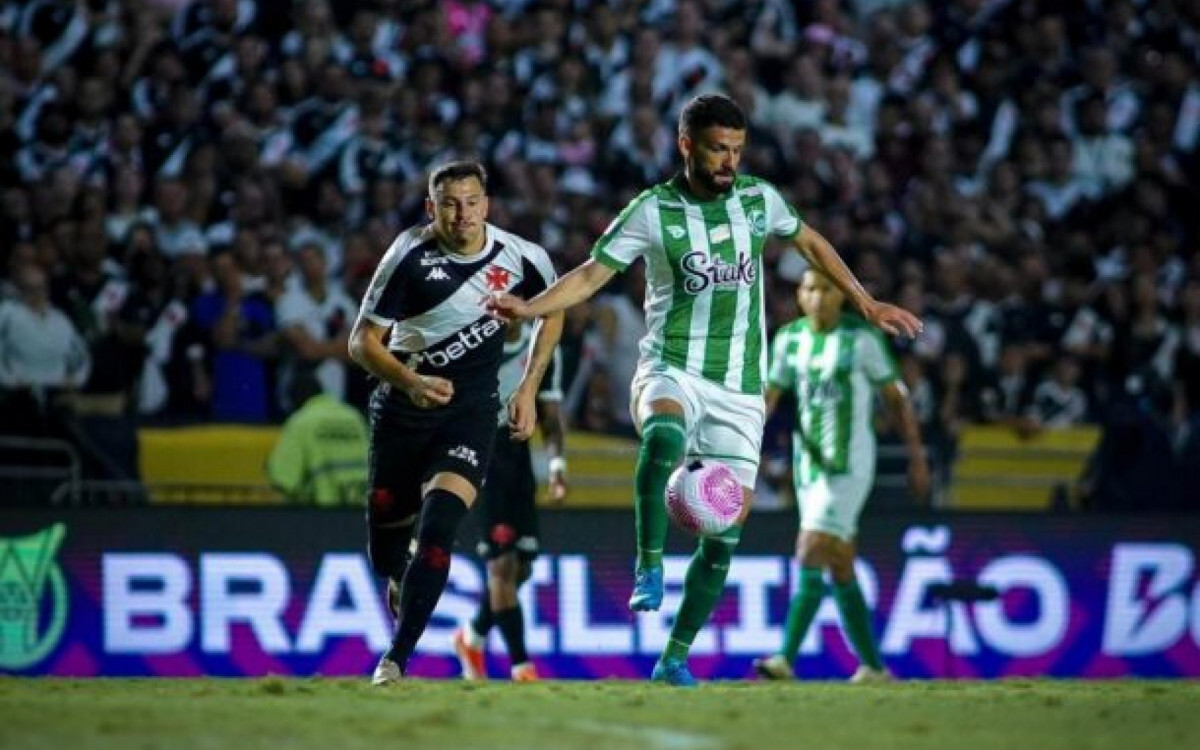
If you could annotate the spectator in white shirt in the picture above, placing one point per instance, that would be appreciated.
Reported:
(41, 353)
(314, 317)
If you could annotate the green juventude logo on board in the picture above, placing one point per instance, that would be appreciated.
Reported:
(33, 597)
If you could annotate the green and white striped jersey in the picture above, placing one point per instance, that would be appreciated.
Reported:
(834, 375)
(704, 299)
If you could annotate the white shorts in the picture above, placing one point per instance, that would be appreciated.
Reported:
(832, 505)
(721, 424)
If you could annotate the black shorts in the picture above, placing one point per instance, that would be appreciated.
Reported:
(508, 507)
(410, 445)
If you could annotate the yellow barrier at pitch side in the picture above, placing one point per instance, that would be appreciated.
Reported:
(215, 463)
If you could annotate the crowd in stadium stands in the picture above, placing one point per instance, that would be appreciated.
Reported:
(195, 194)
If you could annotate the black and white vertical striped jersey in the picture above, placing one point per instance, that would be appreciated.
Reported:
(434, 302)
(512, 368)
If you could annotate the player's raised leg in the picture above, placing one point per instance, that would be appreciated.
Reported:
(664, 440)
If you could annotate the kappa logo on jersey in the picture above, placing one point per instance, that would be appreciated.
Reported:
(434, 259)
(467, 340)
(676, 232)
(437, 273)
(703, 272)
(463, 453)
(497, 278)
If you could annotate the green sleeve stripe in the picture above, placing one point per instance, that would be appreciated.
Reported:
(598, 250)
(605, 259)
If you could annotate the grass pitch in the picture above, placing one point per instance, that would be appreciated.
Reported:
(342, 714)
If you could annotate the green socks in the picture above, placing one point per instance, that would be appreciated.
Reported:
(663, 443)
(702, 589)
(802, 610)
(856, 622)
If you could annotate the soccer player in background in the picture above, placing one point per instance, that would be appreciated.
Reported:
(424, 333)
(698, 391)
(834, 363)
(507, 516)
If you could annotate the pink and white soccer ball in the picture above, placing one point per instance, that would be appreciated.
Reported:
(704, 497)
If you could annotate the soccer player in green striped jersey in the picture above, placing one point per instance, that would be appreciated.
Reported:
(698, 392)
(835, 363)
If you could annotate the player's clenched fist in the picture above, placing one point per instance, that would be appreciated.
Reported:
(428, 392)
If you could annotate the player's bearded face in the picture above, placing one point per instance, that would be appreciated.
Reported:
(713, 157)
(459, 212)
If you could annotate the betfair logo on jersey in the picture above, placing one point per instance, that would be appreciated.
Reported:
(701, 272)
(467, 340)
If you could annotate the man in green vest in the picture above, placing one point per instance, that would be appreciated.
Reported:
(321, 456)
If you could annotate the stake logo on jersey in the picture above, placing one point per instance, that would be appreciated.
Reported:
(704, 299)
(703, 272)
(433, 302)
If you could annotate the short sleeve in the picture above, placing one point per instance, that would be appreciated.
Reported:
(537, 270)
(628, 237)
(782, 370)
(381, 303)
(782, 219)
(876, 356)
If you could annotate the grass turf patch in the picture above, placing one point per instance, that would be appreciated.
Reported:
(342, 714)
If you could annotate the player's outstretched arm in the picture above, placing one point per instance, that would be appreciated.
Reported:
(817, 251)
(895, 395)
(573, 288)
(522, 408)
(369, 351)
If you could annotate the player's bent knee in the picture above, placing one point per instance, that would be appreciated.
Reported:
(451, 482)
(718, 550)
(440, 518)
(664, 439)
(815, 549)
(504, 569)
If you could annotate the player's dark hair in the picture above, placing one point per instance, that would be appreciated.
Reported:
(711, 110)
(455, 171)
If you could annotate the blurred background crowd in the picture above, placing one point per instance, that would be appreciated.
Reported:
(195, 193)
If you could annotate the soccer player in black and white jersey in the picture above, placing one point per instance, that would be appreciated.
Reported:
(507, 515)
(423, 332)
